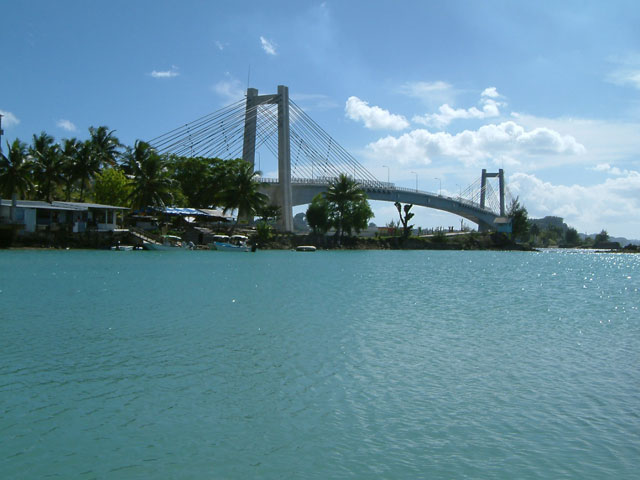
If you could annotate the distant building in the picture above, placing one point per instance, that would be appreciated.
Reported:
(77, 217)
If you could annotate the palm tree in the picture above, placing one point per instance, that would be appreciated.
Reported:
(151, 183)
(15, 173)
(69, 156)
(105, 145)
(241, 192)
(342, 193)
(48, 165)
(86, 166)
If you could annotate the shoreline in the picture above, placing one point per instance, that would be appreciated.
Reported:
(470, 241)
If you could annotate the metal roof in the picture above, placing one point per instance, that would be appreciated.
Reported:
(91, 205)
(67, 206)
(215, 212)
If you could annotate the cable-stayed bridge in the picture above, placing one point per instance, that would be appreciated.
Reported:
(309, 159)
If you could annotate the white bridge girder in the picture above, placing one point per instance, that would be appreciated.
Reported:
(303, 193)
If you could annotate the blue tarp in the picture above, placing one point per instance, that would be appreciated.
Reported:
(182, 211)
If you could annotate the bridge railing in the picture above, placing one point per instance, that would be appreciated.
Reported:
(323, 181)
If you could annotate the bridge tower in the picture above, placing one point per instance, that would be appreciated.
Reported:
(483, 188)
(283, 196)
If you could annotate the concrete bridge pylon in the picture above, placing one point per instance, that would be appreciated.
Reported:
(283, 193)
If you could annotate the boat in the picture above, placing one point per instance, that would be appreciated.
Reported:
(236, 243)
(305, 248)
(122, 248)
(169, 242)
(218, 238)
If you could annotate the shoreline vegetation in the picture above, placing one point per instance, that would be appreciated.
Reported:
(96, 240)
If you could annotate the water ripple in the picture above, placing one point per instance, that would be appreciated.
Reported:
(331, 365)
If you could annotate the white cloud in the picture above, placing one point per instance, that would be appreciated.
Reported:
(612, 142)
(231, 89)
(627, 71)
(220, 45)
(606, 168)
(429, 92)
(173, 72)
(66, 125)
(607, 205)
(494, 141)
(489, 109)
(373, 117)
(448, 114)
(490, 92)
(625, 77)
(9, 119)
(268, 46)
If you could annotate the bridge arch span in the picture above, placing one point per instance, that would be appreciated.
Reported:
(304, 191)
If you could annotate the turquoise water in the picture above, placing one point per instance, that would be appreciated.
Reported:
(392, 364)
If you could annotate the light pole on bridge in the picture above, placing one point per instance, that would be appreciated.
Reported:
(440, 183)
(416, 180)
(388, 169)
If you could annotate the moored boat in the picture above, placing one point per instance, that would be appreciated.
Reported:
(122, 248)
(169, 242)
(236, 243)
(305, 248)
(220, 239)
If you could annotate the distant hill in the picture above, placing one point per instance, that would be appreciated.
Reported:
(621, 240)
(558, 223)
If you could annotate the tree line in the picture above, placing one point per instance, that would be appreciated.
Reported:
(527, 231)
(103, 170)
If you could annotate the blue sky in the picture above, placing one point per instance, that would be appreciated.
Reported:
(549, 91)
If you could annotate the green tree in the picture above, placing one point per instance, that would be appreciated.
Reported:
(549, 236)
(534, 230)
(241, 191)
(346, 199)
(68, 155)
(601, 237)
(318, 214)
(112, 188)
(105, 146)
(201, 179)
(358, 216)
(151, 184)
(86, 166)
(571, 236)
(269, 213)
(519, 220)
(49, 166)
(15, 173)
(264, 232)
(404, 219)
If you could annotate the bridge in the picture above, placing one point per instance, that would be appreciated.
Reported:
(309, 159)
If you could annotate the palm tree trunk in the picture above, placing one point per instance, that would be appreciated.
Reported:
(12, 209)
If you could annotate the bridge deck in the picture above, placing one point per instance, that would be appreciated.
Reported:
(304, 189)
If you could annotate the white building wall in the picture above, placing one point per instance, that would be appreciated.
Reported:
(29, 219)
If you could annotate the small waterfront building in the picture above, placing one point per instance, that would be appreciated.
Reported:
(35, 215)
